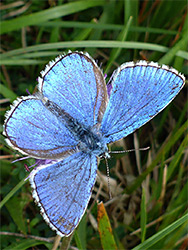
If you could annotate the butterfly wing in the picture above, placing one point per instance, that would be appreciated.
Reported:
(63, 190)
(140, 91)
(34, 130)
(76, 84)
(73, 82)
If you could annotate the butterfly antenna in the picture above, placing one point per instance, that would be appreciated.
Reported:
(129, 150)
(21, 159)
(108, 176)
(28, 92)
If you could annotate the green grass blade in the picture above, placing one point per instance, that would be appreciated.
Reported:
(17, 61)
(81, 233)
(46, 54)
(15, 208)
(164, 149)
(143, 216)
(115, 52)
(160, 235)
(12, 192)
(166, 59)
(7, 93)
(46, 15)
(179, 199)
(97, 34)
(177, 157)
(105, 26)
(131, 10)
(78, 241)
(24, 244)
(178, 62)
(90, 44)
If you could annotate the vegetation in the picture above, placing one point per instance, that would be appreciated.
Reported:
(149, 188)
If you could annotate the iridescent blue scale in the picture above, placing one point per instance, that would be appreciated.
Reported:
(70, 121)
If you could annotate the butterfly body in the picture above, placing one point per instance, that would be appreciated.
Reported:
(72, 118)
(89, 139)
(92, 143)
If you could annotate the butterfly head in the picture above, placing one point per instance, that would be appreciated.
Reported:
(101, 149)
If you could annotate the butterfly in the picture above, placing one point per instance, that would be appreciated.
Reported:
(69, 122)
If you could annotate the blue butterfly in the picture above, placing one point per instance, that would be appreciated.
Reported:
(69, 122)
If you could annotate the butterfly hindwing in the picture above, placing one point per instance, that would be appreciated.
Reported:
(63, 189)
(140, 91)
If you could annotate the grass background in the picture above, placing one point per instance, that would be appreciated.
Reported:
(149, 188)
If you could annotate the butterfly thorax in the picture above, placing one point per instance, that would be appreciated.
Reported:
(92, 142)
(90, 139)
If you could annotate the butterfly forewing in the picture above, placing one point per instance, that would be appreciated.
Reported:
(76, 84)
(140, 91)
(34, 130)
